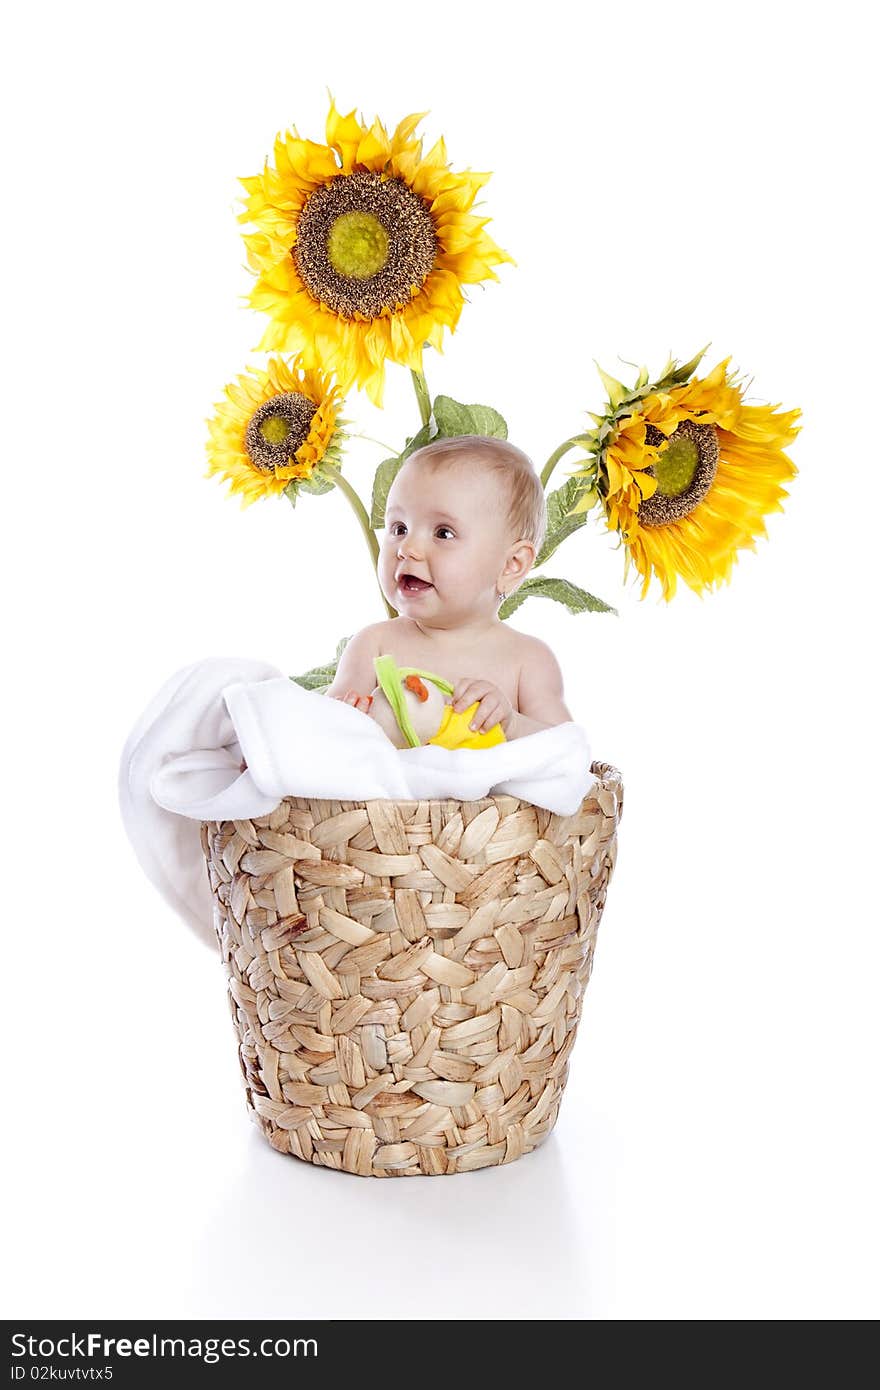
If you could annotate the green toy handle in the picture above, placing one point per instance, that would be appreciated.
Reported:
(390, 678)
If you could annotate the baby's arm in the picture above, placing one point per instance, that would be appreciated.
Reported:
(540, 693)
(355, 675)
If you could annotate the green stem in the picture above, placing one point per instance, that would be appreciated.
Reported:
(554, 459)
(359, 510)
(389, 448)
(422, 394)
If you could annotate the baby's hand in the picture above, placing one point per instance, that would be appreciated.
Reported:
(351, 697)
(494, 706)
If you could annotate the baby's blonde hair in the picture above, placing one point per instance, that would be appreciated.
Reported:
(526, 509)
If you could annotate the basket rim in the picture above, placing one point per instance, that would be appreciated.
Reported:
(606, 775)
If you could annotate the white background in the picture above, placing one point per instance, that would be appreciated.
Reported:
(664, 176)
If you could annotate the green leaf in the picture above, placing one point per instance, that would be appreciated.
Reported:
(385, 475)
(560, 524)
(388, 471)
(424, 436)
(316, 485)
(682, 374)
(320, 678)
(562, 590)
(614, 388)
(454, 419)
(488, 422)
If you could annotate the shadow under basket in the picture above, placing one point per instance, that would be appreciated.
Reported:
(406, 977)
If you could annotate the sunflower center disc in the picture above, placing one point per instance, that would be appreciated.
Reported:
(676, 466)
(684, 472)
(274, 429)
(277, 429)
(364, 245)
(357, 245)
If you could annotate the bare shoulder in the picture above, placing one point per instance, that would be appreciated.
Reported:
(369, 635)
(534, 653)
(540, 674)
(390, 633)
(540, 692)
(354, 669)
(369, 638)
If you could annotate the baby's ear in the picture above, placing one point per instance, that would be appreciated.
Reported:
(524, 558)
(519, 562)
(530, 555)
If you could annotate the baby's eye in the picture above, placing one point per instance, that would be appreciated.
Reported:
(446, 528)
(393, 528)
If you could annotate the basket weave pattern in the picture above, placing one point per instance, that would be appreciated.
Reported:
(406, 977)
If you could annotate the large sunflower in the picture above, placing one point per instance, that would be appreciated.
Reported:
(274, 429)
(686, 472)
(362, 247)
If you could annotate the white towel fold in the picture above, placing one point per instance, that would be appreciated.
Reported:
(180, 766)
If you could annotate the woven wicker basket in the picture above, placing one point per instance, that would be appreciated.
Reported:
(406, 977)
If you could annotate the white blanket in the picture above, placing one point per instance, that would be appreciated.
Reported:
(181, 766)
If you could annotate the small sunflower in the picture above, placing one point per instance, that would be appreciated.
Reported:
(275, 429)
(362, 247)
(686, 472)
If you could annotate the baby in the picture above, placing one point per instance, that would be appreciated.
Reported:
(464, 521)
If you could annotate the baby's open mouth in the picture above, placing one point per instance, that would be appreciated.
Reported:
(410, 584)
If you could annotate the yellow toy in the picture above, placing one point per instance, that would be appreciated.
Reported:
(412, 714)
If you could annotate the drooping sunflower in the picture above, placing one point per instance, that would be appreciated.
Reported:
(276, 429)
(362, 247)
(686, 472)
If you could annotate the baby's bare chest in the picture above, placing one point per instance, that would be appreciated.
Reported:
(495, 661)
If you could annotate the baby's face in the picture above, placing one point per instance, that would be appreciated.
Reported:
(446, 526)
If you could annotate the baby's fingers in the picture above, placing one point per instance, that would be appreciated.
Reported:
(360, 702)
(457, 699)
(488, 714)
(467, 692)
